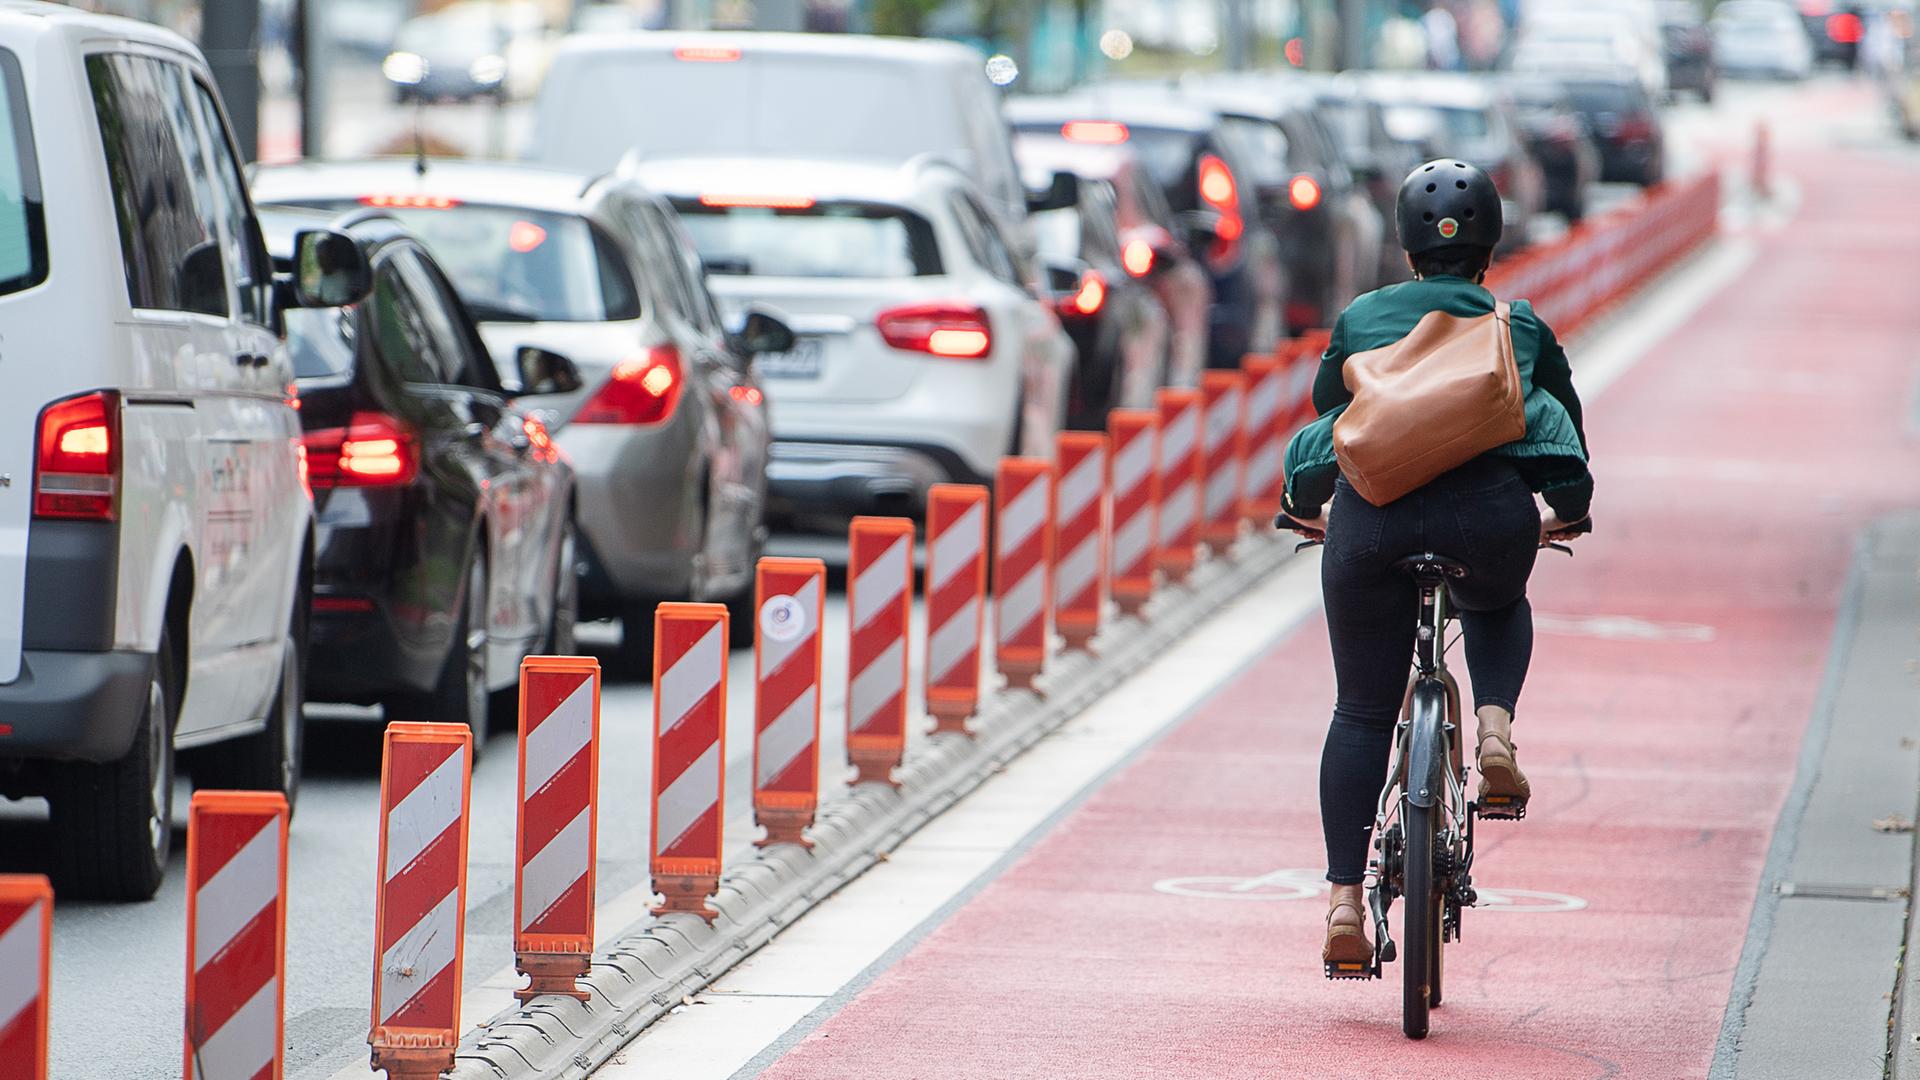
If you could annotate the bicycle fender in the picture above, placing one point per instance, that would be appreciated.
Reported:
(1426, 779)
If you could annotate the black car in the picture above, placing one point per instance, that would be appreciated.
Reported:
(1378, 160)
(1686, 43)
(445, 541)
(1835, 29)
(1626, 127)
(1117, 324)
(1557, 136)
(1208, 184)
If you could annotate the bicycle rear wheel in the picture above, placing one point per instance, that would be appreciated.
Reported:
(1420, 925)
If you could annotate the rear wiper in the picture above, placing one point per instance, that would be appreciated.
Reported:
(482, 311)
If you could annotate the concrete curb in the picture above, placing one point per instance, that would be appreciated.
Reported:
(653, 966)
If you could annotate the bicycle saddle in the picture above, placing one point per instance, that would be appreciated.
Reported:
(1428, 566)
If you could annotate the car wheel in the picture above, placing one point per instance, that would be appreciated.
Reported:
(460, 696)
(113, 822)
(269, 759)
(566, 595)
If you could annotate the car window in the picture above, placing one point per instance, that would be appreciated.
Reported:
(23, 234)
(1101, 242)
(163, 199)
(1152, 199)
(825, 239)
(321, 341)
(686, 262)
(618, 293)
(253, 274)
(1260, 145)
(658, 256)
(450, 342)
(401, 334)
(998, 259)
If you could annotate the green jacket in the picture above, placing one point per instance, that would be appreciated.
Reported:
(1553, 455)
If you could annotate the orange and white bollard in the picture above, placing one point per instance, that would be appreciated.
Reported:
(1762, 160)
(1223, 397)
(1022, 554)
(421, 915)
(26, 942)
(1080, 535)
(880, 598)
(1182, 479)
(1264, 477)
(236, 935)
(1135, 439)
(788, 594)
(956, 601)
(557, 828)
(689, 754)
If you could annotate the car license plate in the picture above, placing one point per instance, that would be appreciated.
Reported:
(800, 362)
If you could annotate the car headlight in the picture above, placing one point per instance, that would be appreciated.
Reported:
(488, 69)
(405, 68)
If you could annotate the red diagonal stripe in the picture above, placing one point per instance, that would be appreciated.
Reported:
(798, 775)
(11, 911)
(683, 745)
(888, 719)
(20, 1049)
(1016, 562)
(546, 690)
(950, 597)
(219, 836)
(234, 975)
(567, 915)
(870, 640)
(678, 636)
(784, 686)
(408, 763)
(555, 804)
(424, 883)
(432, 1007)
(701, 841)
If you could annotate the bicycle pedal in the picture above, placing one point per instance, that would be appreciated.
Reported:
(1350, 969)
(1501, 808)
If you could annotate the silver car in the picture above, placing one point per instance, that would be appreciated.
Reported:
(668, 434)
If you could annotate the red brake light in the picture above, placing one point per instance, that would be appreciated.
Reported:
(1088, 298)
(1304, 192)
(954, 329)
(766, 202)
(373, 450)
(76, 474)
(706, 54)
(1094, 131)
(409, 202)
(1220, 191)
(1844, 28)
(524, 236)
(1137, 257)
(643, 389)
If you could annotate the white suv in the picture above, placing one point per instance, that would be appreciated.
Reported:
(921, 357)
(154, 530)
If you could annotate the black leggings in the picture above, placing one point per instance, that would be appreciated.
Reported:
(1481, 514)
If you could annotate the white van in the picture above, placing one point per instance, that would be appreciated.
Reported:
(773, 95)
(154, 528)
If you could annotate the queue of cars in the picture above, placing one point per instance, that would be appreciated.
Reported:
(371, 432)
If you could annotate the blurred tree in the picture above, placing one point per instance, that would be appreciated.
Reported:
(903, 18)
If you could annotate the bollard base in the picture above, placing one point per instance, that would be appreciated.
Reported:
(1020, 676)
(784, 824)
(1174, 571)
(951, 716)
(551, 973)
(1132, 603)
(874, 764)
(686, 894)
(413, 1062)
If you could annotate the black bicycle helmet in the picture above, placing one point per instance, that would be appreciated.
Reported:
(1447, 202)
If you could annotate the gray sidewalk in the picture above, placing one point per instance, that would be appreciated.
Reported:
(1821, 991)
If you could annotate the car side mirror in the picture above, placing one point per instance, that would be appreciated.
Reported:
(1063, 278)
(764, 332)
(544, 372)
(1061, 192)
(329, 269)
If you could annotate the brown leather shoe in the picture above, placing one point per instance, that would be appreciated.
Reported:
(1504, 790)
(1347, 953)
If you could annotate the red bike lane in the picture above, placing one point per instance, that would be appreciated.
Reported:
(1678, 660)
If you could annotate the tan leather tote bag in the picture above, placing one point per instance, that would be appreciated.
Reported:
(1430, 402)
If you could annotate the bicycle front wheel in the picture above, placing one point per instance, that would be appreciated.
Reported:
(1420, 923)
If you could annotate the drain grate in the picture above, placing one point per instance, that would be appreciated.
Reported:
(1815, 891)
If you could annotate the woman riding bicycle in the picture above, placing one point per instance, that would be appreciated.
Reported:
(1482, 513)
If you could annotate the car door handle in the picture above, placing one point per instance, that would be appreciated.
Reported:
(255, 360)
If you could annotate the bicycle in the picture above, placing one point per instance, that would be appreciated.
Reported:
(1423, 827)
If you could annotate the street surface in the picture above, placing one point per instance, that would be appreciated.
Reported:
(1165, 920)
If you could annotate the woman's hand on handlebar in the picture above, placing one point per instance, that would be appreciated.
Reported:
(1553, 530)
(1313, 528)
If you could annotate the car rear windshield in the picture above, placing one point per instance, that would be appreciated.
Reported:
(1166, 153)
(821, 240)
(23, 240)
(1598, 97)
(512, 264)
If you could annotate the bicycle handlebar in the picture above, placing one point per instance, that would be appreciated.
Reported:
(1314, 536)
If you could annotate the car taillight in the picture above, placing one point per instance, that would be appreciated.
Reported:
(1303, 192)
(1088, 298)
(1094, 131)
(1844, 28)
(373, 450)
(1137, 256)
(77, 471)
(706, 54)
(1635, 127)
(1221, 192)
(957, 329)
(643, 389)
(409, 202)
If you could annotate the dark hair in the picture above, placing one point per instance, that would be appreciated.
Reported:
(1453, 260)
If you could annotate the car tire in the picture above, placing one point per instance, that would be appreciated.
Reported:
(269, 759)
(460, 696)
(634, 658)
(113, 821)
(566, 595)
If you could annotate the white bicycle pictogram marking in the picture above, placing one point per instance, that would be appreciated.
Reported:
(1307, 883)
